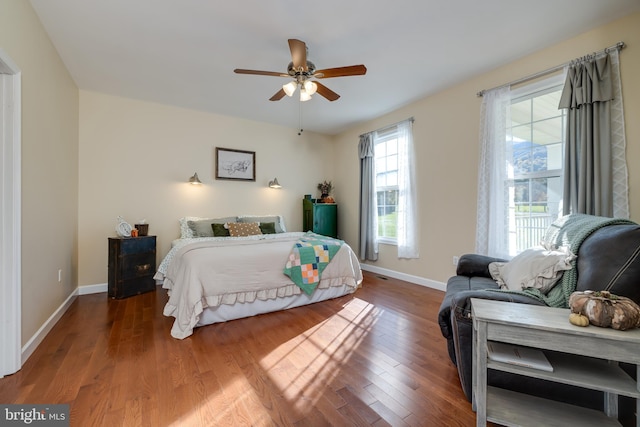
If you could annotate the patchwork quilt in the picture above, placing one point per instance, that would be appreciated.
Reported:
(308, 258)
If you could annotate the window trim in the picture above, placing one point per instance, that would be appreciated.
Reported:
(530, 92)
(381, 137)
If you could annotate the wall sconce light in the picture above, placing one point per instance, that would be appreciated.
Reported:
(194, 180)
(274, 183)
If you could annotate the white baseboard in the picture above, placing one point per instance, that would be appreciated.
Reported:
(92, 289)
(406, 277)
(98, 288)
(36, 339)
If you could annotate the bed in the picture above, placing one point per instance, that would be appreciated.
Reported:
(214, 278)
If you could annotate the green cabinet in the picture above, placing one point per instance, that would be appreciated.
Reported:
(321, 218)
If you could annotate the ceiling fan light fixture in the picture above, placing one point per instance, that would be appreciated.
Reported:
(290, 88)
(301, 70)
(304, 95)
(310, 87)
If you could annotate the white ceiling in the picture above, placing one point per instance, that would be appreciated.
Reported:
(183, 52)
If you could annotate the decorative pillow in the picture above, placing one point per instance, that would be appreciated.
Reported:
(185, 231)
(277, 219)
(240, 229)
(537, 267)
(219, 230)
(267, 227)
(202, 227)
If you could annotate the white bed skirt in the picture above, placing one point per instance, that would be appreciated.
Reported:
(225, 312)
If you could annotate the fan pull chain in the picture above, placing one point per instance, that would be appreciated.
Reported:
(300, 118)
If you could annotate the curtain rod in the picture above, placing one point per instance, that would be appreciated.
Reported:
(617, 46)
(411, 119)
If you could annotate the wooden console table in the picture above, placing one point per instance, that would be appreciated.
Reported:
(581, 356)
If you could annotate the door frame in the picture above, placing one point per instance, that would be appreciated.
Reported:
(10, 216)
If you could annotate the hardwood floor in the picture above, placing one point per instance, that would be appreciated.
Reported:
(373, 358)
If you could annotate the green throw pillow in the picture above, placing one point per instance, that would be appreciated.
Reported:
(202, 227)
(268, 227)
(219, 230)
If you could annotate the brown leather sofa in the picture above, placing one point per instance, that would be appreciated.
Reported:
(607, 259)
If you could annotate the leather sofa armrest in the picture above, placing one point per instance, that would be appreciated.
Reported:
(455, 285)
(475, 265)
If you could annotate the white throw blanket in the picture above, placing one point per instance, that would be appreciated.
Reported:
(215, 272)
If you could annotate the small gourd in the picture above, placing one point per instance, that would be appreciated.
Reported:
(578, 319)
(604, 309)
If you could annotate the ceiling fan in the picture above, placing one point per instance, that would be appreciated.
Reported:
(303, 71)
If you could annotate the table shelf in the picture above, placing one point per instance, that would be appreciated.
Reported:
(586, 357)
(510, 408)
(581, 371)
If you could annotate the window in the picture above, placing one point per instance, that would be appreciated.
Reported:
(535, 150)
(386, 168)
(388, 191)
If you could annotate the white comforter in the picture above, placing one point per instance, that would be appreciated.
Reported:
(229, 271)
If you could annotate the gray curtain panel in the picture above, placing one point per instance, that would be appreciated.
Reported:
(368, 216)
(587, 95)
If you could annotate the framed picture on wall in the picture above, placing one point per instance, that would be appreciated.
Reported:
(235, 164)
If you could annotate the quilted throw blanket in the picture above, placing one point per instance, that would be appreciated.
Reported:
(308, 259)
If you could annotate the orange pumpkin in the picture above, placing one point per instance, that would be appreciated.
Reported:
(605, 309)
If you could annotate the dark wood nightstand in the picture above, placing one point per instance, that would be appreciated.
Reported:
(132, 264)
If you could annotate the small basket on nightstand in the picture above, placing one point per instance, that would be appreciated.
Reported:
(143, 229)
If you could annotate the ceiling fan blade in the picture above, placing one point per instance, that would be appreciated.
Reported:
(353, 70)
(260, 73)
(326, 92)
(278, 95)
(298, 54)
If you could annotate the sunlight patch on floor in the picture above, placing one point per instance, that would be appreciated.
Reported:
(317, 355)
(303, 369)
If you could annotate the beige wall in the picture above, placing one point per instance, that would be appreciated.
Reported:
(49, 165)
(446, 139)
(135, 159)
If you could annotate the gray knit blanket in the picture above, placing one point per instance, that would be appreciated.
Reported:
(569, 230)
